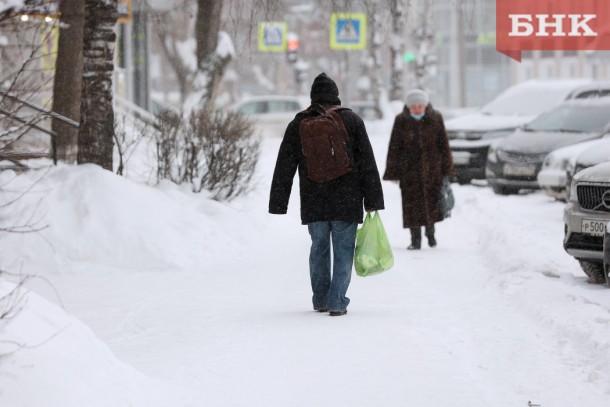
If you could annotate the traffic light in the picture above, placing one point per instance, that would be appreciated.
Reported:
(408, 57)
(292, 48)
(301, 71)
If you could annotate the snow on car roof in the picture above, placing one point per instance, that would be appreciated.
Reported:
(531, 97)
(595, 154)
(517, 105)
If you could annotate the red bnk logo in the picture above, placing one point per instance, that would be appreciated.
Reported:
(551, 25)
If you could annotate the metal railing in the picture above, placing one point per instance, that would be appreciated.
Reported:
(13, 157)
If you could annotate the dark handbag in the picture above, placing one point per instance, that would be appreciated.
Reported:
(447, 198)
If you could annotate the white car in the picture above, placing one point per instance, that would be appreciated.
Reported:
(553, 176)
(470, 135)
(271, 114)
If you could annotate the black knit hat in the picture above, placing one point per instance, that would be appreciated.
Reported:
(324, 89)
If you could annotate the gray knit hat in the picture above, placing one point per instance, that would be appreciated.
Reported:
(417, 96)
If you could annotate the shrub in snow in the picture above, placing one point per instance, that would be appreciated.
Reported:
(214, 151)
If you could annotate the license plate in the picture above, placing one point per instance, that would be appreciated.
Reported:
(460, 157)
(519, 170)
(594, 227)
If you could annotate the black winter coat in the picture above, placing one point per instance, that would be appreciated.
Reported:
(340, 199)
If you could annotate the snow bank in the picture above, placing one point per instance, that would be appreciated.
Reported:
(94, 216)
(51, 359)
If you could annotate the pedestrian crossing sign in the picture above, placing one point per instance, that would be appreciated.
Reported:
(272, 36)
(348, 31)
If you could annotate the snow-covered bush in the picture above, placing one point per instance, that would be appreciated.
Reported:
(213, 151)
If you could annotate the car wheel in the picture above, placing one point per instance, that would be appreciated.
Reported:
(505, 190)
(595, 271)
(607, 274)
(463, 180)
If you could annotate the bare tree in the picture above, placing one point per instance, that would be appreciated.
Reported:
(96, 133)
(396, 43)
(211, 61)
(67, 86)
(173, 28)
(423, 35)
(213, 19)
(376, 49)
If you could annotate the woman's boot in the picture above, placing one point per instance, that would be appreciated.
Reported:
(430, 236)
(415, 239)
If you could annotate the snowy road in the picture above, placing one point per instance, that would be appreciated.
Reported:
(496, 315)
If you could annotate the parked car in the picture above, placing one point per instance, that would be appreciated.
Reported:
(585, 217)
(553, 177)
(471, 135)
(272, 113)
(513, 162)
(590, 90)
(596, 154)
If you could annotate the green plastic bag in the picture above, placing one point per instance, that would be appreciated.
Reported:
(373, 251)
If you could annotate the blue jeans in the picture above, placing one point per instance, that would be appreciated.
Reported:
(329, 293)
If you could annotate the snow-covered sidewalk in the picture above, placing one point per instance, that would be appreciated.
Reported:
(213, 300)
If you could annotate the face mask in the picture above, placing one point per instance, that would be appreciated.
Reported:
(417, 116)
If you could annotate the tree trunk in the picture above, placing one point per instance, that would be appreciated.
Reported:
(210, 64)
(397, 8)
(376, 45)
(67, 82)
(96, 133)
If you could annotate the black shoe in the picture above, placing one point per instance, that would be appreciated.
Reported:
(338, 313)
(431, 241)
(414, 247)
(320, 309)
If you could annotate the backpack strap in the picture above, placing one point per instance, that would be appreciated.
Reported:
(320, 109)
(337, 108)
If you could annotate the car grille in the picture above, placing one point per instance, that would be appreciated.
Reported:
(520, 157)
(592, 197)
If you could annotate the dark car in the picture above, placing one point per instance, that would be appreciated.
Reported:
(471, 135)
(513, 163)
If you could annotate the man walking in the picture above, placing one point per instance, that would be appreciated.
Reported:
(332, 208)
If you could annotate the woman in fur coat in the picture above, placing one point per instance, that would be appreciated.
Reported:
(418, 158)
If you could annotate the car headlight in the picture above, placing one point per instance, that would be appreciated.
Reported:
(551, 161)
(548, 161)
(570, 168)
(573, 196)
(492, 157)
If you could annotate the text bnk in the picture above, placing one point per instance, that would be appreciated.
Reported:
(524, 25)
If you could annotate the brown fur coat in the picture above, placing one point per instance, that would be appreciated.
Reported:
(419, 157)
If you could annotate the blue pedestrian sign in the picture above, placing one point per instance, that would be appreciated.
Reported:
(347, 31)
(272, 36)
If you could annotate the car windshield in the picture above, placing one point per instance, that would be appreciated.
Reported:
(526, 100)
(585, 118)
(255, 107)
